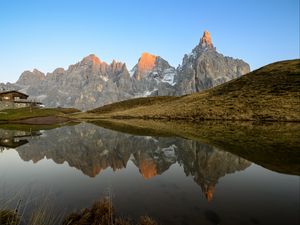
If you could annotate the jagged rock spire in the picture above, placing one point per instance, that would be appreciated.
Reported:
(205, 41)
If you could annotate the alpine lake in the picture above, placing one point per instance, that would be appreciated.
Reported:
(174, 172)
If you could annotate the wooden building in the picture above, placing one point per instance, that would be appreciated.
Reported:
(12, 96)
(16, 99)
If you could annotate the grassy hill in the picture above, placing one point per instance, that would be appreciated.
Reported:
(271, 93)
(36, 115)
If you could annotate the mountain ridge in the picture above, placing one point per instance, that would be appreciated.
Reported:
(91, 83)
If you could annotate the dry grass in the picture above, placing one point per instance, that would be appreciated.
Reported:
(45, 214)
(102, 212)
(27, 113)
(28, 207)
(9, 217)
(146, 220)
(271, 93)
(123, 105)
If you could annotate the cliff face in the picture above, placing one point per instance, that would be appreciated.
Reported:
(91, 83)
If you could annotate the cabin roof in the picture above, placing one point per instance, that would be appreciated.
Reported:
(38, 103)
(7, 92)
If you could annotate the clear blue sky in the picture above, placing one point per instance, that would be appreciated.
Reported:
(46, 34)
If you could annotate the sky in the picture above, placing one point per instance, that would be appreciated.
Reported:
(56, 33)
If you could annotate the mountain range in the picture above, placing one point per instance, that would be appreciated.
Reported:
(91, 82)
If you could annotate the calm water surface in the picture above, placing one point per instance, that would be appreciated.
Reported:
(174, 180)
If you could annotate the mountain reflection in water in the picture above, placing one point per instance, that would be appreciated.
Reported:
(161, 176)
(93, 149)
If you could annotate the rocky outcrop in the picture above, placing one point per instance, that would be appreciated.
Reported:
(92, 83)
(204, 68)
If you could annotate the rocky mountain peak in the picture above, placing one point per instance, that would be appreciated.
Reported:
(204, 68)
(146, 62)
(205, 41)
(28, 77)
(59, 71)
(116, 63)
(37, 72)
(117, 67)
(91, 59)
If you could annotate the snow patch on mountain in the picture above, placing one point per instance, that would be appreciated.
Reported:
(169, 151)
(104, 78)
(145, 93)
(131, 72)
(169, 77)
